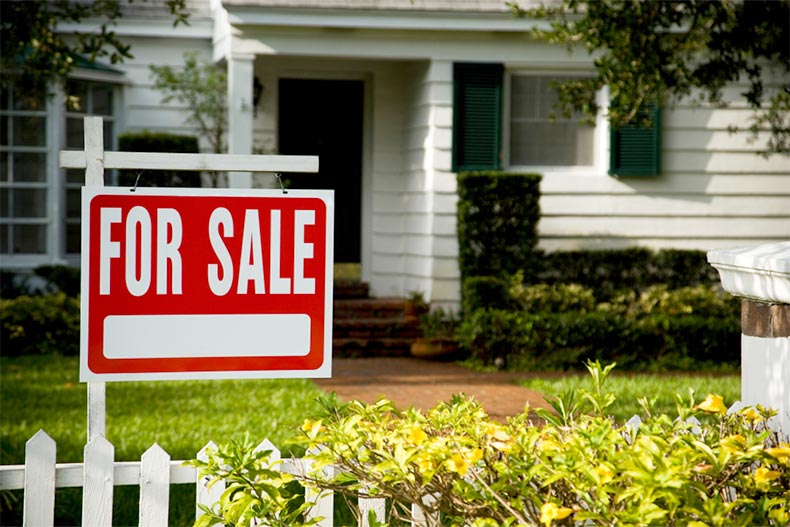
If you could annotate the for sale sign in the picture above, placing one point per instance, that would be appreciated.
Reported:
(205, 283)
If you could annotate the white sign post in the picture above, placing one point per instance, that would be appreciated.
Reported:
(200, 283)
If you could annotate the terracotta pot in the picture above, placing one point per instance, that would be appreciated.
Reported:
(434, 348)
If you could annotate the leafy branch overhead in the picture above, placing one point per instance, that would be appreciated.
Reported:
(39, 56)
(650, 52)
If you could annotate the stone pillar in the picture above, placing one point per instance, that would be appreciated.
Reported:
(761, 276)
(240, 79)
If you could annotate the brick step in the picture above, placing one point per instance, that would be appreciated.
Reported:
(369, 308)
(350, 289)
(374, 328)
(381, 347)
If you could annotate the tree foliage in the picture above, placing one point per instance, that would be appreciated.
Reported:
(35, 55)
(650, 52)
(202, 88)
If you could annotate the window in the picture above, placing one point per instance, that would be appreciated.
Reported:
(40, 203)
(23, 175)
(535, 139)
(95, 98)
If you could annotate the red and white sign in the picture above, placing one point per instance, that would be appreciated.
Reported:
(205, 283)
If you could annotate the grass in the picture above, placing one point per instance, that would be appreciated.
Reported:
(181, 416)
(661, 389)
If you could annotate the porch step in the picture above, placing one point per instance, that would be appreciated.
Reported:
(368, 308)
(369, 327)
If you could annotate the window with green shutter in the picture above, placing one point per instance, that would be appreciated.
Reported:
(636, 150)
(477, 109)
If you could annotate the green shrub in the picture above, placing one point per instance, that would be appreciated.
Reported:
(579, 468)
(40, 324)
(61, 277)
(612, 272)
(557, 298)
(498, 215)
(146, 141)
(485, 292)
(554, 327)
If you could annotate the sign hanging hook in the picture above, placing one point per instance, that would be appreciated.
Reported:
(136, 181)
(280, 179)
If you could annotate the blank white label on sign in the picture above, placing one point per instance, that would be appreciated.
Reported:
(186, 336)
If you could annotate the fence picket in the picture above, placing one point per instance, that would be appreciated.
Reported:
(205, 495)
(97, 486)
(419, 519)
(375, 505)
(154, 487)
(40, 458)
(324, 500)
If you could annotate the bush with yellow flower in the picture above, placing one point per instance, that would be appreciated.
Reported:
(572, 466)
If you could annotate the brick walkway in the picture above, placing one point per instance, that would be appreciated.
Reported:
(422, 384)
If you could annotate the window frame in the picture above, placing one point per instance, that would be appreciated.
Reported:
(55, 177)
(600, 164)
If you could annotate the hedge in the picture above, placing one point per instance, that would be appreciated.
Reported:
(146, 141)
(498, 215)
(555, 327)
(561, 341)
(42, 324)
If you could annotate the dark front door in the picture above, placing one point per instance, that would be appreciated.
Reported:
(324, 118)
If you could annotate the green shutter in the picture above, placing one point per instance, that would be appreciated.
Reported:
(477, 109)
(636, 150)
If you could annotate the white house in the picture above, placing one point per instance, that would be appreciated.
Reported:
(386, 92)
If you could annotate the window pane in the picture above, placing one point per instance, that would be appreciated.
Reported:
(29, 203)
(76, 97)
(102, 99)
(30, 167)
(3, 130)
(75, 175)
(5, 243)
(73, 203)
(30, 239)
(4, 95)
(5, 170)
(73, 238)
(25, 102)
(30, 131)
(5, 203)
(75, 136)
(536, 139)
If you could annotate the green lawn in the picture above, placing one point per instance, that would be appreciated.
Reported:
(182, 416)
(661, 388)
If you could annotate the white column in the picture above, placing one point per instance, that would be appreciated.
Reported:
(240, 78)
(761, 276)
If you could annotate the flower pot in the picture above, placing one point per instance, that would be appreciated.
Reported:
(434, 348)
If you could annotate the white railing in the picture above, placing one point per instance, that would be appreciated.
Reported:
(154, 474)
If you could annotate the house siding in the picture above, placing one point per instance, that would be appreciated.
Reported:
(714, 191)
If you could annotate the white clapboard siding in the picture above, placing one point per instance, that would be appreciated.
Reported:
(154, 473)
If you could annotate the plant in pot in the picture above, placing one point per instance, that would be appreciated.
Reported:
(414, 306)
(438, 335)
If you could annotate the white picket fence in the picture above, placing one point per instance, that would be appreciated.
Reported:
(154, 474)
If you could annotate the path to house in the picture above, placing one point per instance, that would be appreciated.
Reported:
(422, 384)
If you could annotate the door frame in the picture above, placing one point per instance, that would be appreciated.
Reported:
(366, 205)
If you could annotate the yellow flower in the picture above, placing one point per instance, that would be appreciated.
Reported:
(417, 435)
(763, 475)
(752, 416)
(550, 512)
(497, 433)
(458, 464)
(713, 404)
(604, 473)
(477, 455)
(781, 453)
(425, 464)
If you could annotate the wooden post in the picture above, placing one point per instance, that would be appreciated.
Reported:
(94, 176)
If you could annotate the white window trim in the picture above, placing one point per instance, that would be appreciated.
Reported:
(600, 166)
